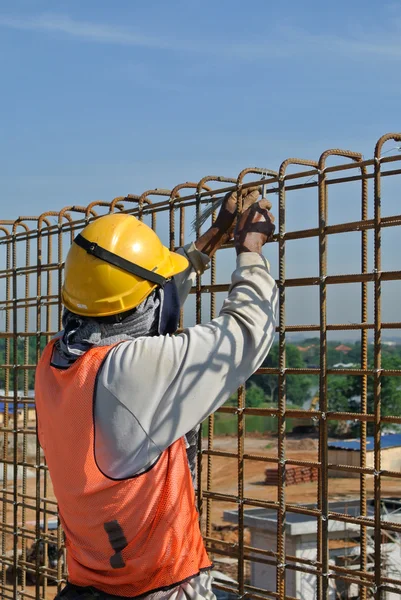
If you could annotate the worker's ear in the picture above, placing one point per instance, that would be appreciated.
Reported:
(170, 308)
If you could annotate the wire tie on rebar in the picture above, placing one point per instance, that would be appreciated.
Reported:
(377, 473)
(282, 565)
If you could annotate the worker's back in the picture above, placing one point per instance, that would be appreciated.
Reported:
(125, 537)
(112, 420)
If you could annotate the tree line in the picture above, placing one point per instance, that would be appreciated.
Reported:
(344, 391)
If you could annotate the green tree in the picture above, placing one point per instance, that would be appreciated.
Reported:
(390, 390)
(298, 386)
(255, 396)
(340, 390)
(22, 374)
(340, 398)
(344, 395)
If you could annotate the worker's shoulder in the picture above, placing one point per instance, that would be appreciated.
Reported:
(136, 365)
(142, 350)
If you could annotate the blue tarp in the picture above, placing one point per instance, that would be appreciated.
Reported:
(11, 406)
(387, 441)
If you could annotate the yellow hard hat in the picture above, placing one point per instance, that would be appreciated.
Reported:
(114, 264)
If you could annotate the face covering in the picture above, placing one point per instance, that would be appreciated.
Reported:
(158, 314)
(170, 309)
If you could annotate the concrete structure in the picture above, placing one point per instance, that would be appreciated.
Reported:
(301, 541)
(348, 452)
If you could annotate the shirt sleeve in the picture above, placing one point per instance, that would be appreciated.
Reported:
(198, 263)
(166, 385)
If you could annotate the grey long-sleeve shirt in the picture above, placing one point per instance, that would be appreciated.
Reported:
(153, 390)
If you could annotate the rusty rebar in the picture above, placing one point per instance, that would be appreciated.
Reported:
(34, 311)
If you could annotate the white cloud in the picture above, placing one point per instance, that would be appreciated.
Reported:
(282, 42)
(355, 43)
(92, 32)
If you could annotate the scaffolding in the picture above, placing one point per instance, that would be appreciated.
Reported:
(33, 250)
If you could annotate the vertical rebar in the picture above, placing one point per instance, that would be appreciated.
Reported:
(25, 415)
(60, 261)
(364, 380)
(378, 360)
(6, 417)
(323, 493)
(282, 399)
(15, 409)
(182, 242)
(322, 530)
(39, 260)
(240, 449)
(210, 436)
(198, 317)
(281, 513)
(377, 371)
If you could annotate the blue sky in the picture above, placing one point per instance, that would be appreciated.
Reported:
(101, 98)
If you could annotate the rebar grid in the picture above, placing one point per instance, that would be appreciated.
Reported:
(33, 252)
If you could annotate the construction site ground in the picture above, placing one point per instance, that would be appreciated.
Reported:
(225, 478)
(224, 474)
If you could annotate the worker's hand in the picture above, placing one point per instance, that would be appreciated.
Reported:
(222, 229)
(255, 227)
(226, 218)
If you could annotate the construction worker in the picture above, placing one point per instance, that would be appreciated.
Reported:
(119, 398)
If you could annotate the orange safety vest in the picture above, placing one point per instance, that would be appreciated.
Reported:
(125, 537)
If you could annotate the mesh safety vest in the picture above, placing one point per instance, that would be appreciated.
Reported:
(125, 537)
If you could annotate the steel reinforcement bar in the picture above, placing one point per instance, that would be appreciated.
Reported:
(33, 251)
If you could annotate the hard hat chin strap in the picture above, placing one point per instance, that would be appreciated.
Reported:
(117, 261)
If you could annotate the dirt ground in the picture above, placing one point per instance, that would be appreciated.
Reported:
(224, 479)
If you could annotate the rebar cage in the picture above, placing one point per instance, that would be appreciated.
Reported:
(32, 253)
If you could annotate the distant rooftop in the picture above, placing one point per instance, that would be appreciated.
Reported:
(387, 441)
(304, 524)
(343, 348)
